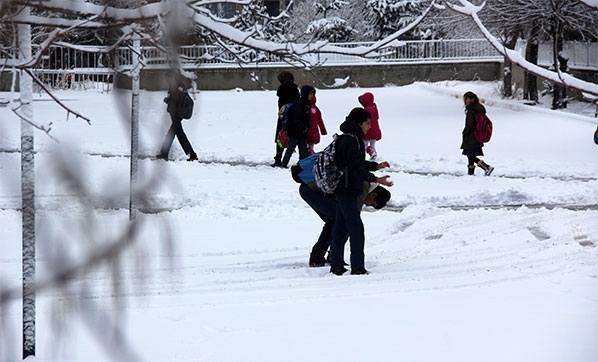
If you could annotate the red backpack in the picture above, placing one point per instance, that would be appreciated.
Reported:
(483, 128)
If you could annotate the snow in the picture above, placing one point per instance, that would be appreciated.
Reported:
(499, 268)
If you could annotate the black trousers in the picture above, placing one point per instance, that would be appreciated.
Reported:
(176, 129)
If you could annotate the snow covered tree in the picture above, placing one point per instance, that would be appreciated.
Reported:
(555, 20)
(557, 76)
(350, 20)
(328, 26)
(254, 17)
(333, 29)
(387, 16)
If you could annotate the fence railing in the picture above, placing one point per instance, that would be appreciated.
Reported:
(581, 55)
(64, 67)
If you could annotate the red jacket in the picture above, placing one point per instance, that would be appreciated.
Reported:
(316, 124)
(367, 101)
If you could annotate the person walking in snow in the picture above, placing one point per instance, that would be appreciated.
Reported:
(316, 127)
(298, 124)
(287, 92)
(350, 157)
(324, 205)
(374, 134)
(470, 146)
(176, 89)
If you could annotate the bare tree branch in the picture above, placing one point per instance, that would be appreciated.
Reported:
(43, 86)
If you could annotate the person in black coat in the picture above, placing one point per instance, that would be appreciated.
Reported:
(298, 124)
(176, 90)
(350, 158)
(287, 92)
(470, 146)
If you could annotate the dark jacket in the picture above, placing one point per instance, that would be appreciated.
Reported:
(299, 115)
(174, 98)
(469, 141)
(350, 158)
(287, 93)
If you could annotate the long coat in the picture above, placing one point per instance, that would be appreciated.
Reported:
(469, 141)
(287, 93)
(316, 124)
(298, 118)
(367, 101)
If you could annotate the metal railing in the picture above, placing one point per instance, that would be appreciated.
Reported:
(581, 55)
(76, 68)
(408, 51)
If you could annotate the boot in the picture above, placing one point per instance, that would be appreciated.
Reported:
(370, 151)
(316, 260)
(470, 169)
(278, 157)
(338, 271)
(359, 271)
(486, 167)
(192, 156)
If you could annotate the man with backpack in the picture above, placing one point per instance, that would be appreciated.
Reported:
(297, 125)
(350, 158)
(174, 101)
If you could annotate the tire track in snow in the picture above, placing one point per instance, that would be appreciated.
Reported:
(390, 208)
(427, 256)
(246, 163)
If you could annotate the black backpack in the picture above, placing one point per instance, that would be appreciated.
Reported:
(185, 107)
(292, 123)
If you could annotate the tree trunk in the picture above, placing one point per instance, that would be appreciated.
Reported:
(508, 69)
(27, 192)
(560, 64)
(531, 55)
(135, 73)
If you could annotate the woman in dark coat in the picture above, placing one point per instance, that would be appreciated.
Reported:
(350, 157)
(288, 92)
(470, 146)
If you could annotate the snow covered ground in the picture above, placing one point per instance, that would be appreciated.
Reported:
(499, 268)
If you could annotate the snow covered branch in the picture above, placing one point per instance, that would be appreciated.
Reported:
(590, 3)
(467, 8)
(198, 14)
(291, 49)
